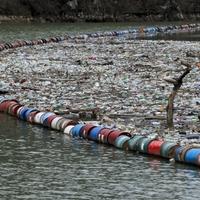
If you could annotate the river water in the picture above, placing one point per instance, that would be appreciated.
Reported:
(38, 163)
(14, 31)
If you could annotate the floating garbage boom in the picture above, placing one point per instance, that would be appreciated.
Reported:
(135, 32)
(113, 137)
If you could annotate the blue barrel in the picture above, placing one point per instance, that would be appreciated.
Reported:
(76, 130)
(28, 112)
(45, 116)
(22, 114)
(94, 133)
(120, 141)
(178, 151)
(193, 156)
(132, 143)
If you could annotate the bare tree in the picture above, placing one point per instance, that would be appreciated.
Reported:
(177, 82)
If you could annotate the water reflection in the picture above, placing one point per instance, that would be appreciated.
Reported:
(37, 163)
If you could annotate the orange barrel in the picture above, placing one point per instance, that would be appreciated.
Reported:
(86, 130)
(133, 142)
(68, 130)
(103, 135)
(121, 140)
(66, 123)
(114, 134)
(154, 147)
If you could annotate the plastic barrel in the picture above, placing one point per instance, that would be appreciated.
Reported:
(86, 129)
(76, 130)
(55, 121)
(66, 123)
(50, 119)
(4, 105)
(94, 133)
(68, 130)
(154, 147)
(167, 150)
(132, 143)
(192, 156)
(142, 144)
(37, 117)
(11, 106)
(28, 112)
(183, 152)
(23, 113)
(31, 116)
(178, 151)
(121, 140)
(15, 110)
(19, 110)
(59, 124)
(11, 109)
(103, 135)
(45, 116)
(114, 134)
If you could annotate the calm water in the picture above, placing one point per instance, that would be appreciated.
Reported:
(37, 163)
(14, 31)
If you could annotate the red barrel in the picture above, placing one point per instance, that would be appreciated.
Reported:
(114, 134)
(4, 106)
(103, 136)
(50, 119)
(11, 106)
(86, 129)
(15, 109)
(154, 147)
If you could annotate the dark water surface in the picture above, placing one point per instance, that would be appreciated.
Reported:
(38, 163)
(13, 31)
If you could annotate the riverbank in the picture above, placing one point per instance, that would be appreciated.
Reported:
(117, 77)
(101, 11)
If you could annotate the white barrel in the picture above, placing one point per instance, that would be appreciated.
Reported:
(19, 110)
(68, 129)
(37, 117)
(54, 122)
